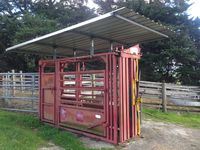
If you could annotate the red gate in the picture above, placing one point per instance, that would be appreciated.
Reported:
(91, 95)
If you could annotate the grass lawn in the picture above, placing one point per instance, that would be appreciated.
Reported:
(186, 119)
(25, 132)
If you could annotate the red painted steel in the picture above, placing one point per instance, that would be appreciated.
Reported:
(91, 95)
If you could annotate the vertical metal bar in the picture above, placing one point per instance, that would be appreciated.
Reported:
(9, 86)
(13, 82)
(121, 99)
(110, 97)
(115, 98)
(57, 92)
(111, 46)
(124, 99)
(74, 52)
(54, 53)
(107, 97)
(6, 89)
(135, 111)
(104, 102)
(92, 47)
(3, 83)
(131, 93)
(32, 90)
(21, 81)
(127, 99)
(77, 81)
(40, 90)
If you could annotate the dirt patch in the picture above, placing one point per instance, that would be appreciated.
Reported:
(96, 144)
(51, 146)
(165, 136)
(155, 136)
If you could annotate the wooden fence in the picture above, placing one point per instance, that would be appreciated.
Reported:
(19, 91)
(168, 96)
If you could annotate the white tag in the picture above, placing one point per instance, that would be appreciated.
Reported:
(98, 116)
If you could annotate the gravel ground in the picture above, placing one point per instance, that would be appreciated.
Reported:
(156, 136)
(165, 136)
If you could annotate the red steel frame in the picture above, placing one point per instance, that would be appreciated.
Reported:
(65, 106)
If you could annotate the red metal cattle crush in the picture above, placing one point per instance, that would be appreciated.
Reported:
(94, 96)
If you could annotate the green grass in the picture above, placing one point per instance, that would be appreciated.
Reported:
(186, 119)
(25, 132)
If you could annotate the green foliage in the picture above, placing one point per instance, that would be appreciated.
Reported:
(24, 20)
(186, 119)
(33, 26)
(26, 132)
(173, 60)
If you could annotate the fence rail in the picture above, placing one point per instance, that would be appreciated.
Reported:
(19, 91)
(167, 96)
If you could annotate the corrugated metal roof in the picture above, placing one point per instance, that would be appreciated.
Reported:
(120, 27)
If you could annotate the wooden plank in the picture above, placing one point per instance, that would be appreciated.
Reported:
(150, 86)
(169, 85)
(150, 91)
(149, 82)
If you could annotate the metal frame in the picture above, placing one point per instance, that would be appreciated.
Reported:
(118, 121)
(125, 28)
(137, 24)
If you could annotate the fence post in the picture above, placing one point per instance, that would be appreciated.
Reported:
(164, 100)
(13, 82)
(32, 89)
(4, 91)
(21, 81)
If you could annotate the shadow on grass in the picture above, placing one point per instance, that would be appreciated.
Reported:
(190, 120)
(22, 131)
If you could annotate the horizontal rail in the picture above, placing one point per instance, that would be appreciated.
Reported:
(12, 83)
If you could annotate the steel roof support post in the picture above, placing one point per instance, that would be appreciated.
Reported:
(111, 46)
(92, 47)
(74, 52)
(54, 53)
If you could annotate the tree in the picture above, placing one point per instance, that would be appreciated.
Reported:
(22, 20)
(175, 59)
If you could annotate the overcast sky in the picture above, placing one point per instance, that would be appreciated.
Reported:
(194, 10)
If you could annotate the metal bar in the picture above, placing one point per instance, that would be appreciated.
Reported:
(127, 99)
(62, 31)
(92, 47)
(121, 100)
(57, 93)
(99, 37)
(132, 108)
(115, 113)
(40, 90)
(20, 110)
(137, 24)
(39, 53)
(124, 99)
(111, 46)
(107, 98)
(54, 53)
(60, 46)
(20, 98)
(110, 99)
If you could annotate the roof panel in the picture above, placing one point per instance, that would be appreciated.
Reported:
(121, 26)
